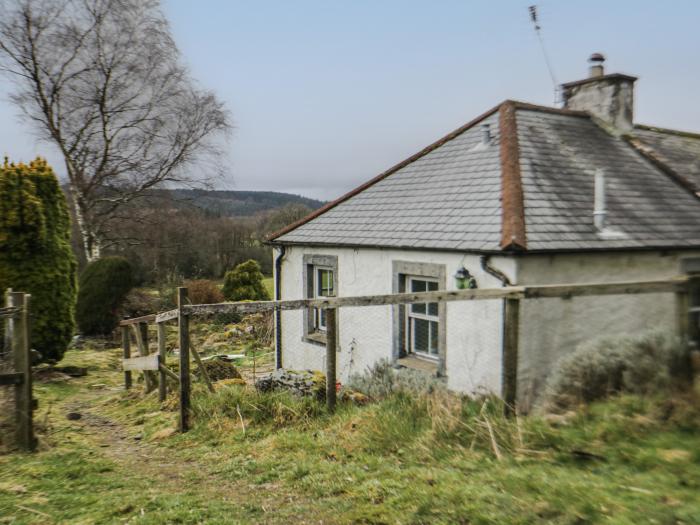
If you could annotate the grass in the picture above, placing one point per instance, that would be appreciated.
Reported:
(273, 458)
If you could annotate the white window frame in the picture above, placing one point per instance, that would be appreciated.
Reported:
(319, 315)
(432, 353)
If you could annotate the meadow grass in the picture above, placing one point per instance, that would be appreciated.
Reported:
(273, 458)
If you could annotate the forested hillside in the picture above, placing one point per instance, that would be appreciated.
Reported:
(240, 203)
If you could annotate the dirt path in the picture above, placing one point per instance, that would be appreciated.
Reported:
(85, 417)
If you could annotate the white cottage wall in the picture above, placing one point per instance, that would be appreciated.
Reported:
(366, 334)
(552, 328)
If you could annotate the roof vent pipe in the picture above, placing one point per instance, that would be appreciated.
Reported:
(485, 133)
(599, 211)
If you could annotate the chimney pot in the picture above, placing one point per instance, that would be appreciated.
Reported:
(596, 61)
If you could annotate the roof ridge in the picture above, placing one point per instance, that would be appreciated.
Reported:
(658, 160)
(548, 109)
(513, 235)
(669, 131)
(385, 174)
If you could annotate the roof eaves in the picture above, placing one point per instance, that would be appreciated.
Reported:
(381, 176)
(513, 236)
(659, 162)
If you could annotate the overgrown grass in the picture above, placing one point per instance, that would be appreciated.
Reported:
(407, 458)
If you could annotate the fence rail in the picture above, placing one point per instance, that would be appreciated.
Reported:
(511, 295)
(510, 292)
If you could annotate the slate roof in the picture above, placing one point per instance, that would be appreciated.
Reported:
(529, 189)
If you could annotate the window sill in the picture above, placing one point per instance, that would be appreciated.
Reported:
(316, 338)
(416, 363)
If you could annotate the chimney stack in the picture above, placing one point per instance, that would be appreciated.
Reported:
(609, 98)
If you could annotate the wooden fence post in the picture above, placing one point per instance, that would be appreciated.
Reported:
(126, 349)
(162, 387)
(184, 341)
(23, 365)
(511, 335)
(331, 347)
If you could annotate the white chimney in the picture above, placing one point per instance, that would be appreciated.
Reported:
(599, 211)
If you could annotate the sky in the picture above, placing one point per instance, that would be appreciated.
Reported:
(326, 94)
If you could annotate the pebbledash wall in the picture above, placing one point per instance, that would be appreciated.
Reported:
(549, 328)
(552, 328)
(366, 334)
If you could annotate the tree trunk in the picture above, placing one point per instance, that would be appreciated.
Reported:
(90, 241)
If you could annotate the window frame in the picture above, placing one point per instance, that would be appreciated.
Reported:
(319, 324)
(312, 333)
(432, 319)
(433, 271)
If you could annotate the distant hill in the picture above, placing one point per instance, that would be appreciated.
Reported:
(240, 203)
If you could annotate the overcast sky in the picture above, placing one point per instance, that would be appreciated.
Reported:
(326, 94)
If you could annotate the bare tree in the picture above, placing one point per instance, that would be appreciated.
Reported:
(102, 80)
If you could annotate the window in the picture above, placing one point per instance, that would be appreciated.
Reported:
(422, 320)
(320, 280)
(323, 287)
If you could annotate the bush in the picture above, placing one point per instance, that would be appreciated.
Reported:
(35, 252)
(383, 380)
(202, 291)
(104, 285)
(640, 365)
(245, 283)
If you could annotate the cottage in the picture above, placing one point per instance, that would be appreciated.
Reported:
(523, 194)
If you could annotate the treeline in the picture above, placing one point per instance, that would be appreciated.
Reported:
(169, 239)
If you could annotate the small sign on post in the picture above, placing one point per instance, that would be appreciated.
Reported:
(142, 363)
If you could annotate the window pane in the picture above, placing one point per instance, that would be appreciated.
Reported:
(418, 308)
(322, 321)
(418, 286)
(432, 286)
(433, 337)
(324, 283)
(421, 335)
(433, 309)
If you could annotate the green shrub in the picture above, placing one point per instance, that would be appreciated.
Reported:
(203, 291)
(245, 283)
(104, 285)
(35, 252)
(640, 365)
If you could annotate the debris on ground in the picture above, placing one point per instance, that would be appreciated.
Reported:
(218, 369)
(229, 358)
(301, 383)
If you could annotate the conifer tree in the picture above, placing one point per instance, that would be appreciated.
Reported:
(35, 252)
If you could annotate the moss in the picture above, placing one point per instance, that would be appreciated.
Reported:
(35, 252)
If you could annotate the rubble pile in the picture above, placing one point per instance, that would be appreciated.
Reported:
(301, 383)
